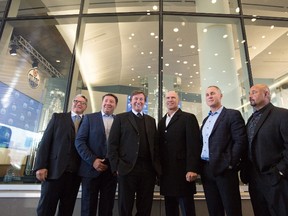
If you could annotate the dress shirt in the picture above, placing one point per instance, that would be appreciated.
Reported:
(169, 117)
(136, 113)
(206, 132)
(107, 121)
(75, 114)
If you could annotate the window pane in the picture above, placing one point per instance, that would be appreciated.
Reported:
(2, 7)
(268, 50)
(119, 55)
(202, 6)
(109, 6)
(34, 65)
(199, 52)
(276, 8)
(43, 7)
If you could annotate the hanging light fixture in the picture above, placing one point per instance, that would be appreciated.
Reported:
(13, 50)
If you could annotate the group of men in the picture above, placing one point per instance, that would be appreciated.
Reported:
(130, 150)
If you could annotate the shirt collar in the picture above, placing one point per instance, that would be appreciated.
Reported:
(216, 112)
(170, 116)
(135, 113)
(75, 114)
(106, 115)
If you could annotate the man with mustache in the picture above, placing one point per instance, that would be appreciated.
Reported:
(266, 165)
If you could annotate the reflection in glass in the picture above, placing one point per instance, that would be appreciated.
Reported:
(265, 8)
(120, 55)
(203, 6)
(30, 95)
(199, 52)
(268, 49)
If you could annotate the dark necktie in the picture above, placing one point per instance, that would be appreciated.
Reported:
(139, 115)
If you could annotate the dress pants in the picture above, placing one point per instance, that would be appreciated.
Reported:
(267, 198)
(140, 181)
(221, 192)
(105, 184)
(63, 190)
(186, 204)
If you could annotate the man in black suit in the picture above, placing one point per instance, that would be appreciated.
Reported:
(57, 162)
(266, 167)
(91, 144)
(224, 141)
(133, 155)
(180, 157)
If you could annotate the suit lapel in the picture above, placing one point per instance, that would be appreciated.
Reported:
(262, 119)
(99, 119)
(219, 119)
(174, 118)
(132, 120)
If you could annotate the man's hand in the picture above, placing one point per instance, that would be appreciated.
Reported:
(99, 165)
(41, 174)
(191, 176)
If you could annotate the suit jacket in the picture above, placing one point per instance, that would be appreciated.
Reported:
(123, 145)
(227, 141)
(180, 151)
(91, 143)
(57, 141)
(269, 145)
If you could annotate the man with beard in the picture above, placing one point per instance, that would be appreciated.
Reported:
(266, 165)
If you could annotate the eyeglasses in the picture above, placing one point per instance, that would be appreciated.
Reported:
(81, 102)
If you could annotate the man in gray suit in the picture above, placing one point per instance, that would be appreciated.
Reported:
(57, 162)
(224, 141)
(91, 144)
(180, 157)
(133, 155)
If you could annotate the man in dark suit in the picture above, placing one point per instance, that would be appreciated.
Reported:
(133, 155)
(180, 157)
(91, 144)
(224, 141)
(266, 167)
(57, 162)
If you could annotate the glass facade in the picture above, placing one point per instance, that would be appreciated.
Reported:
(53, 50)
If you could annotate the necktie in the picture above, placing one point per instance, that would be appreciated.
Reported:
(139, 115)
(77, 120)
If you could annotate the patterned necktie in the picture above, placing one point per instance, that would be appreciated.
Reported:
(77, 120)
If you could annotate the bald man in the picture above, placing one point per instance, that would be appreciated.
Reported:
(266, 166)
(180, 150)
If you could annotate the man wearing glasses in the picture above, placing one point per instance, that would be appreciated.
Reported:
(57, 161)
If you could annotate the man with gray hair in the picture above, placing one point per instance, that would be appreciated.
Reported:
(57, 161)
